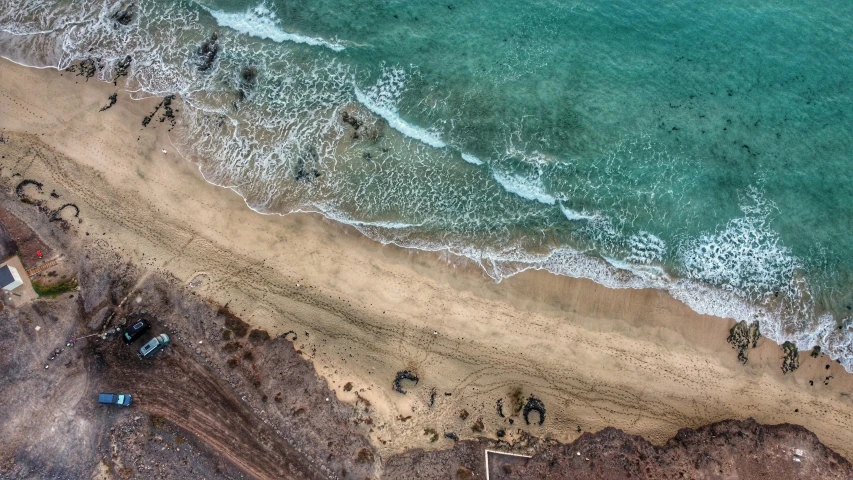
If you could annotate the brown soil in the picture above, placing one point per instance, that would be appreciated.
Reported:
(245, 404)
(729, 449)
(53, 427)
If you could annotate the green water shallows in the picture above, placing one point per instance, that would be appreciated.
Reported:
(698, 147)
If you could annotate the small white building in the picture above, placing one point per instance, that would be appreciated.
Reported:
(9, 278)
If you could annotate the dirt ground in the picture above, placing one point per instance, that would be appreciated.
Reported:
(243, 404)
(227, 401)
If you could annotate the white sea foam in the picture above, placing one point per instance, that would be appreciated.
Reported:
(574, 215)
(746, 254)
(471, 159)
(645, 272)
(646, 248)
(529, 188)
(382, 99)
(260, 22)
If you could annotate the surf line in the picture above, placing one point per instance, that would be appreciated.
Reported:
(260, 22)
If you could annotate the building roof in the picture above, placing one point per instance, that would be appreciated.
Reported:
(6, 276)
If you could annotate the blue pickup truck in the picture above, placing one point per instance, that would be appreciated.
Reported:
(122, 399)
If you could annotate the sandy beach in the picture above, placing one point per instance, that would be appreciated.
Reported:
(637, 360)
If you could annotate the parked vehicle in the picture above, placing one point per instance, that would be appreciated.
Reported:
(136, 330)
(154, 345)
(122, 399)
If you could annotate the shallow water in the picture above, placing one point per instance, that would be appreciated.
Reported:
(700, 148)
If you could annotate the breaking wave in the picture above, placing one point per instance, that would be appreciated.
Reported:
(260, 22)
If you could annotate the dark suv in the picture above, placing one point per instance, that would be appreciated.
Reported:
(122, 399)
(135, 330)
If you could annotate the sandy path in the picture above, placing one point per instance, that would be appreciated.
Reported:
(634, 359)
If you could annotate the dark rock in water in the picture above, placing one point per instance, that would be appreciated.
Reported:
(816, 352)
(350, 120)
(791, 358)
(534, 404)
(303, 172)
(113, 99)
(207, 52)
(125, 16)
(743, 336)
(249, 75)
(404, 375)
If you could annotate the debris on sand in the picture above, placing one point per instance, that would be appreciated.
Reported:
(791, 357)
(168, 113)
(121, 68)
(433, 435)
(500, 407)
(452, 436)
(85, 68)
(743, 337)
(19, 190)
(815, 352)
(534, 404)
(113, 98)
(404, 375)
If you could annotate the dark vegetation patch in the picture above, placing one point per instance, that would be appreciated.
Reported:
(258, 336)
(51, 290)
(234, 323)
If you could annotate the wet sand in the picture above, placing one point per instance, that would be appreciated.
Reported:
(637, 360)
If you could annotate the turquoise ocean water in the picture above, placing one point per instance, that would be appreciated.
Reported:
(699, 147)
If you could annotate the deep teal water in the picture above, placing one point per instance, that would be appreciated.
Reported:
(704, 148)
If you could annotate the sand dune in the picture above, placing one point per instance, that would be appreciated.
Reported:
(633, 359)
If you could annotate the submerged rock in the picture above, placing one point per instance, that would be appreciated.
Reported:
(207, 52)
(125, 16)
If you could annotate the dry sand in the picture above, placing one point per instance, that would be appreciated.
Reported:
(637, 360)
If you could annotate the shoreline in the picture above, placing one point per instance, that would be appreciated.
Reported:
(638, 360)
